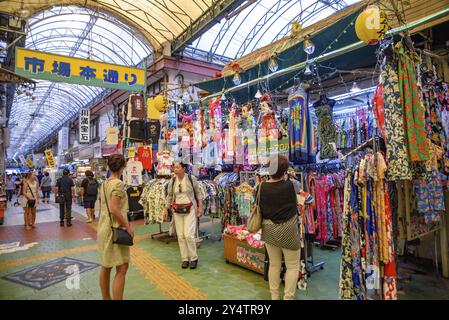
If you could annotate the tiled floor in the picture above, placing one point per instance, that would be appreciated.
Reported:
(155, 271)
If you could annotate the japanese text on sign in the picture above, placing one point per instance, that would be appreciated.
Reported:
(50, 160)
(84, 125)
(40, 65)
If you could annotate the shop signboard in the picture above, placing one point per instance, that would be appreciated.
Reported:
(97, 150)
(63, 139)
(50, 159)
(29, 161)
(84, 125)
(58, 68)
(108, 150)
(86, 153)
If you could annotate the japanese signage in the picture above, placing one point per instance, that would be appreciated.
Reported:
(29, 162)
(50, 160)
(63, 139)
(84, 125)
(22, 160)
(53, 67)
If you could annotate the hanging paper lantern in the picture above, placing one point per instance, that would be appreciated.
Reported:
(371, 25)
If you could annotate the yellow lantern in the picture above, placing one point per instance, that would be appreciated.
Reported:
(155, 106)
(371, 25)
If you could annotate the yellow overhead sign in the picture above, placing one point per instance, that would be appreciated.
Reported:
(54, 67)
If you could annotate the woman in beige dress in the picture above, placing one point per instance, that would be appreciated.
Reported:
(113, 255)
(30, 192)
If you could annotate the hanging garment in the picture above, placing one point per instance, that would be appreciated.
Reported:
(134, 194)
(164, 163)
(153, 131)
(397, 156)
(136, 107)
(379, 110)
(327, 133)
(133, 173)
(136, 130)
(145, 155)
(435, 130)
(411, 101)
(346, 283)
(322, 187)
(298, 129)
(112, 135)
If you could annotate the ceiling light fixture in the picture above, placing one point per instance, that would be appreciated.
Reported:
(355, 87)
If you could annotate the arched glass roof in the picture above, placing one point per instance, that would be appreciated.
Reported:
(262, 23)
(159, 20)
(78, 32)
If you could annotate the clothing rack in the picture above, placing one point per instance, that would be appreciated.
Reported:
(308, 257)
(163, 236)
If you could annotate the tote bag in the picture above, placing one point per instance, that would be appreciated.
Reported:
(255, 218)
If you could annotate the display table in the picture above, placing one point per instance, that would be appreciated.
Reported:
(239, 252)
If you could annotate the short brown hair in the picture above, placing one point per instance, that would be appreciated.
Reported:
(116, 162)
(280, 168)
(89, 173)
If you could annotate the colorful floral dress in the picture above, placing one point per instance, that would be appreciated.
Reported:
(414, 114)
(397, 156)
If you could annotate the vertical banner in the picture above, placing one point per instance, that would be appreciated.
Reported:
(84, 126)
(29, 161)
(50, 160)
(22, 160)
(63, 140)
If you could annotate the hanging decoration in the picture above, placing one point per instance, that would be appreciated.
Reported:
(273, 64)
(237, 79)
(309, 46)
(371, 25)
(296, 28)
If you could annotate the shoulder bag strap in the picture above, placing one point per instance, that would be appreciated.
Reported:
(259, 191)
(193, 187)
(106, 201)
(32, 193)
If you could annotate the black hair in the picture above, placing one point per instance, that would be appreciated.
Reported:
(182, 164)
(116, 162)
(89, 173)
(66, 172)
(282, 167)
(46, 174)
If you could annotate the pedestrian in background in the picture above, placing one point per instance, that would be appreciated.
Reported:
(66, 188)
(10, 187)
(89, 193)
(45, 185)
(30, 200)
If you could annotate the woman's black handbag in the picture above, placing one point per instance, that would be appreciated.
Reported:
(31, 203)
(60, 199)
(119, 235)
